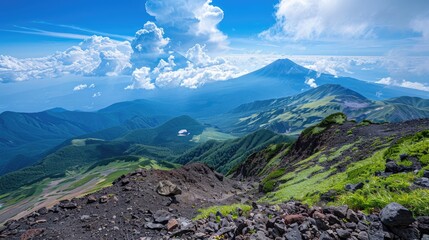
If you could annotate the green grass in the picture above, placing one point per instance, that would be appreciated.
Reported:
(225, 210)
(211, 134)
(416, 146)
(23, 193)
(308, 184)
(82, 181)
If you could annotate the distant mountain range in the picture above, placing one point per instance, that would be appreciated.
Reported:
(236, 106)
(24, 136)
(279, 79)
(293, 114)
(161, 143)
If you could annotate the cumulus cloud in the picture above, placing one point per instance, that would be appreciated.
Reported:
(95, 56)
(311, 82)
(200, 70)
(189, 21)
(309, 19)
(97, 94)
(403, 83)
(148, 44)
(141, 79)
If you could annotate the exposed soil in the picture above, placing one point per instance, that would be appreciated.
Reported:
(122, 210)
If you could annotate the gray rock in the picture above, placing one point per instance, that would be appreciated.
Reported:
(339, 212)
(363, 236)
(426, 174)
(392, 167)
(67, 204)
(218, 176)
(422, 182)
(42, 211)
(423, 224)
(425, 237)
(293, 234)
(154, 226)
(162, 216)
(352, 216)
(407, 233)
(354, 187)
(85, 218)
(343, 234)
(167, 188)
(325, 236)
(395, 215)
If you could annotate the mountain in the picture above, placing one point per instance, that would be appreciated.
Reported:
(224, 156)
(293, 114)
(24, 136)
(328, 184)
(161, 143)
(279, 79)
(340, 162)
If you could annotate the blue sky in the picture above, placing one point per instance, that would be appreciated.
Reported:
(385, 41)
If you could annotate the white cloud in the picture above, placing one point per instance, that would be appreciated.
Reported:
(311, 82)
(199, 57)
(148, 45)
(403, 83)
(80, 87)
(189, 21)
(97, 94)
(141, 79)
(95, 56)
(310, 19)
(201, 70)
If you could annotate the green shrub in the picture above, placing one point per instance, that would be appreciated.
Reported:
(225, 210)
(268, 186)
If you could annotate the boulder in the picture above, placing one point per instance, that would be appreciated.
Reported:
(392, 167)
(395, 215)
(426, 174)
(167, 188)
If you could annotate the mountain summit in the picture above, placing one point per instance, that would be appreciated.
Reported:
(283, 68)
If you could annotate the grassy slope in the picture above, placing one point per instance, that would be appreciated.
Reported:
(224, 156)
(293, 114)
(90, 178)
(331, 166)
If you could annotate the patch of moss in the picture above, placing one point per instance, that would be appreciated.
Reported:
(365, 122)
(224, 210)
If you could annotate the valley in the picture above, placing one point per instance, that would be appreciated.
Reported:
(99, 173)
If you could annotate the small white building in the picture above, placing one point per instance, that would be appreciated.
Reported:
(183, 133)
